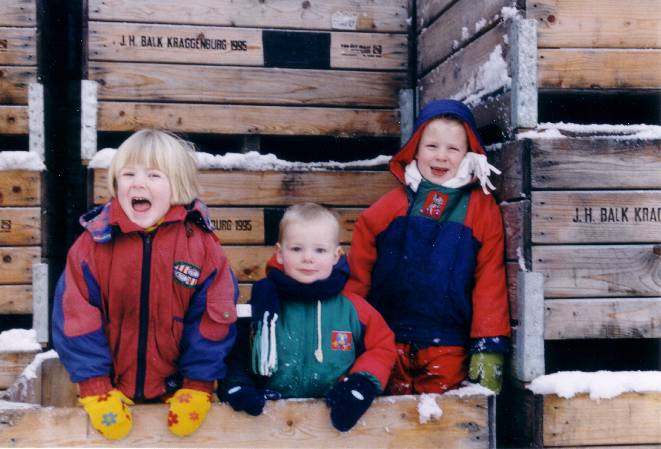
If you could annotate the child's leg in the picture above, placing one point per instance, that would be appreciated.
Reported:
(442, 368)
(401, 380)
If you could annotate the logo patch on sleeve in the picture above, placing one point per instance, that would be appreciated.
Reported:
(341, 340)
(434, 205)
(186, 274)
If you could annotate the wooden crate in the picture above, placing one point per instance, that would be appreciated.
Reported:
(312, 68)
(246, 207)
(549, 47)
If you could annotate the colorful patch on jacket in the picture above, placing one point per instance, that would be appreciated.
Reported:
(341, 340)
(186, 274)
(434, 205)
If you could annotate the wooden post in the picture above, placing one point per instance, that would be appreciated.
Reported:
(36, 118)
(406, 113)
(523, 62)
(528, 356)
(40, 315)
(88, 118)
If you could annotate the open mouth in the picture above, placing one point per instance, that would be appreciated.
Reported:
(140, 204)
(439, 171)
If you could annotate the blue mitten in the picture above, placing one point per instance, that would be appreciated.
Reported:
(246, 398)
(349, 399)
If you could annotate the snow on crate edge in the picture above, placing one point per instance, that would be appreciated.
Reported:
(599, 385)
(563, 130)
(20, 160)
(19, 340)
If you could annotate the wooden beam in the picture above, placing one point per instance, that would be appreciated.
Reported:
(130, 42)
(569, 68)
(243, 188)
(610, 24)
(18, 47)
(516, 218)
(513, 159)
(390, 422)
(14, 119)
(602, 318)
(628, 419)
(429, 10)
(238, 85)
(594, 271)
(16, 263)
(528, 341)
(381, 16)
(224, 119)
(12, 364)
(15, 299)
(20, 188)
(595, 163)
(14, 82)
(454, 28)
(631, 216)
(20, 226)
(459, 76)
(18, 13)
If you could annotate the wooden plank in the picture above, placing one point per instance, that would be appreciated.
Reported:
(229, 119)
(237, 46)
(238, 225)
(186, 83)
(20, 226)
(15, 299)
(599, 68)
(612, 24)
(390, 422)
(248, 262)
(244, 188)
(18, 13)
(595, 271)
(512, 159)
(630, 418)
(18, 46)
(632, 216)
(14, 120)
(462, 75)
(595, 163)
(428, 10)
(12, 364)
(495, 112)
(355, 15)
(16, 264)
(511, 271)
(458, 25)
(20, 188)
(516, 219)
(244, 293)
(56, 387)
(602, 318)
(14, 84)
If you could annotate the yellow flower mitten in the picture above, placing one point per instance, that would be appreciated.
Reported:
(109, 413)
(188, 408)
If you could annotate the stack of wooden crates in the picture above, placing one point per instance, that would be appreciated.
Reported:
(21, 209)
(582, 213)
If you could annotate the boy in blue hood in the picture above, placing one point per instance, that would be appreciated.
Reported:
(429, 255)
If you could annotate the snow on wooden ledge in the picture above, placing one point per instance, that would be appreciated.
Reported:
(465, 422)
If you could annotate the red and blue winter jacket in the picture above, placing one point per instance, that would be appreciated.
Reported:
(436, 282)
(133, 310)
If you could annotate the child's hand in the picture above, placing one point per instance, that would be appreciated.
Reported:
(487, 369)
(349, 399)
(188, 408)
(246, 398)
(109, 413)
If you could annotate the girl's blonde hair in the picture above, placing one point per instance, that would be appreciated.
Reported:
(306, 213)
(163, 151)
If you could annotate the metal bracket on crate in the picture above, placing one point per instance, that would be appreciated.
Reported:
(40, 314)
(36, 119)
(528, 354)
(523, 61)
(88, 118)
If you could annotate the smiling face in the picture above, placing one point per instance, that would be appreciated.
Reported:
(443, 145)
(144, 194)
(309, 250)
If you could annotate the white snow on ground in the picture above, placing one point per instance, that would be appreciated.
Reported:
(490, 77)
(20, 160)
(252, 161)
(19, 340)
(599, 385)
(428, 409)
(593, 131)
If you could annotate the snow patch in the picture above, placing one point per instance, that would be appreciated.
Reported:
(599, 385)
(594, 131)
(480, 24)
(509, 12)
(10, 405)
(490, 77)
(30, 371)
(21, 160)
(464, 33)
(521, 259)
(253, 161)
(19, 340)
(470, 389)
(428, 409)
